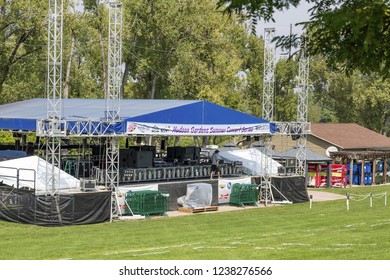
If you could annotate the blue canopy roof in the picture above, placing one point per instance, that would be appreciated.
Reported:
(175, 115)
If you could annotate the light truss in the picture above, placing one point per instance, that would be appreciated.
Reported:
(114, 62)
(268, 111)
(269, 74)
(54, 128)
(113, 92)
(292, 128)
(302, 91)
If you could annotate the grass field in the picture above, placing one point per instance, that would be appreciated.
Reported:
(295, 232)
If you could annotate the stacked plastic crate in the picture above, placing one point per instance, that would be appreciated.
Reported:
(242, 194)
(368, 173)
(357, 173)
(147, 202)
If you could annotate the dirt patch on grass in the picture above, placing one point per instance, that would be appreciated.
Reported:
(324, 196)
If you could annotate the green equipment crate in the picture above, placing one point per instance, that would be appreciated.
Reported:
(147, 202)
(244, 194)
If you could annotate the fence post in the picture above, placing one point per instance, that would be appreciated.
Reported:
(347, 201)
(311, 200)
(371, 199)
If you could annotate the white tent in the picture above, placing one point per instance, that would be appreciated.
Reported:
(253, 161)
(31, 172)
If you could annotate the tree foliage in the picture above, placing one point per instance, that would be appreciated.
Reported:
(359, 98)
(351, 34)
(183, 50)
(22, 42)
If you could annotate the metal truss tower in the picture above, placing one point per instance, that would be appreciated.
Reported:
(303, 99)
(268, 111)
(269, 74)
(54, 128)
(113, 92)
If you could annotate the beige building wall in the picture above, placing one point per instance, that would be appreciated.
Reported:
(317, 145)
(283, 143)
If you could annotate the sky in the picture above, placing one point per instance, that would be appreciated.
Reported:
(284, 19)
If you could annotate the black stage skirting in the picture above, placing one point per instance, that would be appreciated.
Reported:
(79, 208)
(292, 187)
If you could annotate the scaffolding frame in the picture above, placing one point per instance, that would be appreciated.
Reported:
(113, 92)
(265, 190)
(302, 91)
(54, 125)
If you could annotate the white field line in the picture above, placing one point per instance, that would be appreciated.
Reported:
(270, 248)
(152, 249)
(295, 244)
(213, 247)
(151, 253)
(357, 245)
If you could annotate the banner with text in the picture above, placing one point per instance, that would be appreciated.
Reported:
(195, 129)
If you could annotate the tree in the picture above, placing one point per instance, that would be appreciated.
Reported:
(351, 34)
(22, 46)
(98, 18)
(183, 50)
(357, 97)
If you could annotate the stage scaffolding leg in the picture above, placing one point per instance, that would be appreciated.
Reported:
(265, 188)
(265, 193)
(112, 163)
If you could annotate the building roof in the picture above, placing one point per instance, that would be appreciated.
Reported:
(350, 136)
(310, 155)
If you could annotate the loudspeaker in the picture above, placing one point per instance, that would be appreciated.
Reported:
(248, 138)
(291, 162)
(163, 144)
(124, 158)
(87, 185)
(171, 154)
(141, 159)
(139, 140)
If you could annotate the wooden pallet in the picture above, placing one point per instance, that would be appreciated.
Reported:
(199, 209)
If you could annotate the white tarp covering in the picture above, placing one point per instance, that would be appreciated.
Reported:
(253, 161)
(32, 171)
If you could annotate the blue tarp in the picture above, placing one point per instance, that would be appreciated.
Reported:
(176, 116)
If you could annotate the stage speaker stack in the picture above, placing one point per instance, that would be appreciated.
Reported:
(171, 154)
(87, 185)
(291, 165)
(141, 159)
(163, 146)
(124, 158)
